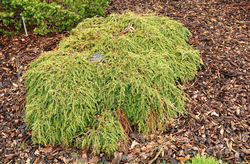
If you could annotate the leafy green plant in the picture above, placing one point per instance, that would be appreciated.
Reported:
(197, 159)
(137, 81)
(203, 160)
(23, 145)
(56, 15)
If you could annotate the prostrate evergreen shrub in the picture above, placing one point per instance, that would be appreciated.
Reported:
(137, 81)
(57, 15)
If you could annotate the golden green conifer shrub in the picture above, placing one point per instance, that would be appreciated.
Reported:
(136, 81)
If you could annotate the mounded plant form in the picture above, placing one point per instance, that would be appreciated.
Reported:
(74, 98)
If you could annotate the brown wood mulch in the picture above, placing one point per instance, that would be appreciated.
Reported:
(218, 122)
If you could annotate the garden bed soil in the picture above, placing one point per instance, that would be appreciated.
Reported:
(218, 122)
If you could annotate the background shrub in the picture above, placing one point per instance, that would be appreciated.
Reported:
(49, 15)
(137, 80)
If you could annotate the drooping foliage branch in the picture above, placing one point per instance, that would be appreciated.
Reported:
(140, 75)
(49, 15)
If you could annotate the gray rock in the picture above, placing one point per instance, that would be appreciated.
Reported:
(97, 57)
(124, 158)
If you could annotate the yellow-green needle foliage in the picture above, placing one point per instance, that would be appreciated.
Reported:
(73, 99)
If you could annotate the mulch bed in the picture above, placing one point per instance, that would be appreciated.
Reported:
(218, 122)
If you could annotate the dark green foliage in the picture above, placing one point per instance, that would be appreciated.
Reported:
(138, 75)
(57, 15)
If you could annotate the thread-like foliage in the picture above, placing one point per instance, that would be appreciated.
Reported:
(140, 74)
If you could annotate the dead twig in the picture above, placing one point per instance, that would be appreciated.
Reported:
(182, 57)
(151, 161)
(125, 30)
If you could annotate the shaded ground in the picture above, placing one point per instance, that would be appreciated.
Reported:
(218, 123)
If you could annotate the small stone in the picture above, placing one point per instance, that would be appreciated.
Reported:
(97, 57)
(104, 159)
(124, 158)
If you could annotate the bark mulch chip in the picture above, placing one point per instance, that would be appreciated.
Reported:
(218, 122)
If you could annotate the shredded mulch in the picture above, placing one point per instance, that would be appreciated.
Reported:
(218, 121)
